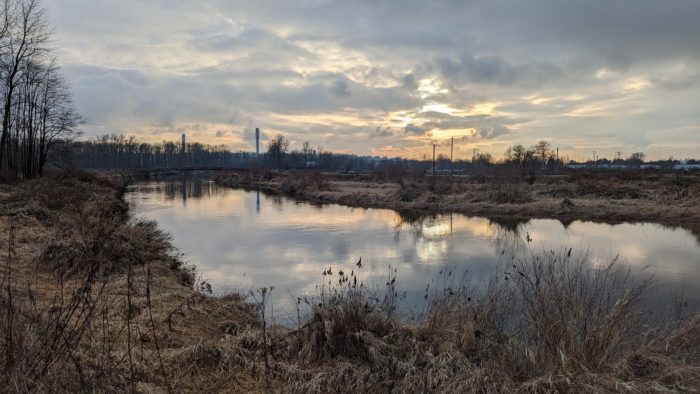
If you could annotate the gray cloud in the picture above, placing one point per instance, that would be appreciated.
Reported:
(481, 126)
(410, 82)
(382, 131)
(415, 129)
(495, 70)
(340, 89)
(357, 75)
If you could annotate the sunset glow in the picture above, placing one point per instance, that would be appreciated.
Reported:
(368, 78)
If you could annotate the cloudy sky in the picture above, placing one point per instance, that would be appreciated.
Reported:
(390, 77)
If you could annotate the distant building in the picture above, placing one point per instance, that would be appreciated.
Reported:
(257, 141)
(686, 166)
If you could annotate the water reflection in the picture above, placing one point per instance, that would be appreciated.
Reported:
(180, 190)
(241, 240)
(510, 235)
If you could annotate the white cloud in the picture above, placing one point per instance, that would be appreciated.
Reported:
(369, 76)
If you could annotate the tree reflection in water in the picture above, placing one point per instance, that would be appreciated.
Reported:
(247, 239)
(506, 233)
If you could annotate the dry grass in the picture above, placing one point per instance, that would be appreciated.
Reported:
(510, 194)
(301, 184)
(670, 199)
(90, 300)
(97, 303)
(551, 322)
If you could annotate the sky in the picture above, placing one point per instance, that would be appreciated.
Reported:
(390, 78)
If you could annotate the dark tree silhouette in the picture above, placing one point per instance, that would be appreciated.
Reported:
(37, 107)
(277, 149)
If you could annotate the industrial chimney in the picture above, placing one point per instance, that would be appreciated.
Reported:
(257, 141)
(184, 144)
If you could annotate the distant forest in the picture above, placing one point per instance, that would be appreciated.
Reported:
(121, 152)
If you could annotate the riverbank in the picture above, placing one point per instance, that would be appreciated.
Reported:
(604, 197)
(94, 301)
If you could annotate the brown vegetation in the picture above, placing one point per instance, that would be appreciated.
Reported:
(550, 323)
(92, 301)
(613, 197)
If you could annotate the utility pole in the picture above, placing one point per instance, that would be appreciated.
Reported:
(595, 159)
(433, 159)
(452, 149)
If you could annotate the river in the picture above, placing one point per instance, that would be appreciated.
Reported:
(242, 240)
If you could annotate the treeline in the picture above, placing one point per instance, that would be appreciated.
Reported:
(37, 109)
(122, 152)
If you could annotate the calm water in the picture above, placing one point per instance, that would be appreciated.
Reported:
(242, 240)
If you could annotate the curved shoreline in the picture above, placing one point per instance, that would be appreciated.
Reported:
(382, 194)
(151, 328)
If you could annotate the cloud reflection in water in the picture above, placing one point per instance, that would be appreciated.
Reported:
(241, 240)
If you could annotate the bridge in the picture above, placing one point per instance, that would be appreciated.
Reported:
(183, 169)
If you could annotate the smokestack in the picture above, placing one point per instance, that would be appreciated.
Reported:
(257, 141)
(184, 143)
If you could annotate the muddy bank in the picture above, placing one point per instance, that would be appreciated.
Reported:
(657, 198)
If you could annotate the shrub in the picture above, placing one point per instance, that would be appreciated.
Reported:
(348, 321)
(105, 243)
(409, 191)
(509, 194)
(547, 322)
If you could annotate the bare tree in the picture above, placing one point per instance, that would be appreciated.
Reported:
(37, 107)
(543, 152)
(637, 159)
(26, 39)
(276, 150)
(58, 119)
(306, 150)
(484, 158)
(516, 153)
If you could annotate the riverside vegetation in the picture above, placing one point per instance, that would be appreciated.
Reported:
(665, 198)
(94, 301)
